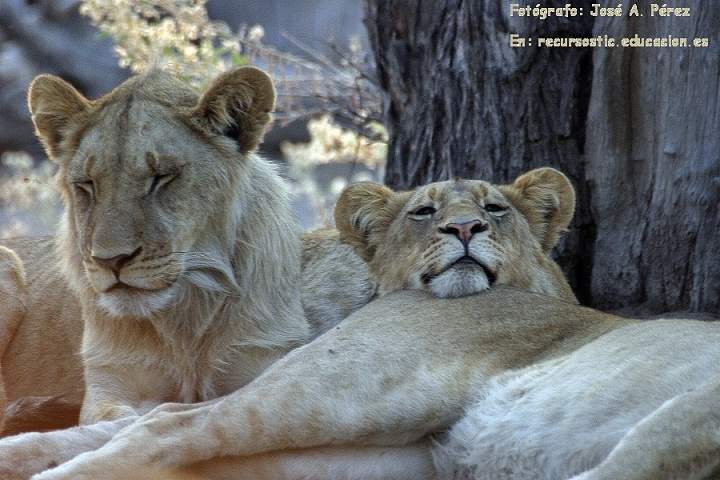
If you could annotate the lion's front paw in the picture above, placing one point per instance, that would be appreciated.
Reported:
(158, 440)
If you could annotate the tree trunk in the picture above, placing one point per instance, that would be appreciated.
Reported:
(459, 101)
(653, 163)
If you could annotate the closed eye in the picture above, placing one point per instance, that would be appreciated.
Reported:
(423, 211)
(159, 181)
(86, 187)
(494, 208)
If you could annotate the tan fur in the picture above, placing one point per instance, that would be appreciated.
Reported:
(336, 281)
(12, 307)
(403, 251)
(530, 385)
(228, 205)
(243, 102)
(41, 359)
(547, 199)
(151, 474)
(136, 169)
(42, 368)
(524, 262)
(402, 367)
(39, 366)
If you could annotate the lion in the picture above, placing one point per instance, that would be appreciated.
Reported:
(160, 286)
(336, 281)
(41, 344)
(528, 384)
(12, 308)
(173, 275)
(25, 412)
(545, 277)
(41, 364)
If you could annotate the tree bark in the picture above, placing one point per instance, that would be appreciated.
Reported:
(459, 101)
(653, 163)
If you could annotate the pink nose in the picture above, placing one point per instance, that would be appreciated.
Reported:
(464, 231)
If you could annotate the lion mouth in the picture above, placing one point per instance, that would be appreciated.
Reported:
(464, 262)
(124, 287)
(468, 260)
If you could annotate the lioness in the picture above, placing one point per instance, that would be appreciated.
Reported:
(177, 248)
(553, 388)
(12, 306)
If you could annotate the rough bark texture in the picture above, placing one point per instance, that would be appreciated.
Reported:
(460, 102)
(653, 162)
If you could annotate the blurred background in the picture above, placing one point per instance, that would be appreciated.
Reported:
(95, 45)
(412, 91)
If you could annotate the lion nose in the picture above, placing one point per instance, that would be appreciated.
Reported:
(116, 263)
(464, 231)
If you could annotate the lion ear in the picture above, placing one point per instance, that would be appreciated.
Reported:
(361, 215)
(547, 199)
(238, 105)
(53, 103)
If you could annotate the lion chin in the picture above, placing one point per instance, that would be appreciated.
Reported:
(458, 281)
(124, 302)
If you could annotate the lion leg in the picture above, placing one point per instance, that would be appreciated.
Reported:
(122, 390)
(24, 455)
(679, 440)
(412, 462)
(12, 308)
(325, 393)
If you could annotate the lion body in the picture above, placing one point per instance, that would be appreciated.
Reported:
(564, 416)
(475, 330)
(42, 357)
(170, 294)
(12, 308)
(335, 280)
(174, 272)
(528, 385)
(42, 347)
(41, 363)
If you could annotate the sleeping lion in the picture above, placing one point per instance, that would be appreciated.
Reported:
(174, 274)
(512, 383)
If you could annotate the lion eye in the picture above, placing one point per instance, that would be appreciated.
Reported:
(85, 188)
(494, 208)
(424, 212)
(160, 181)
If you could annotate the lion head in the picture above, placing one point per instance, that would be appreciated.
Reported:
(461, 237)
(160, 184)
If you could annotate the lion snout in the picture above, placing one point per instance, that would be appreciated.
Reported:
(117, 262)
